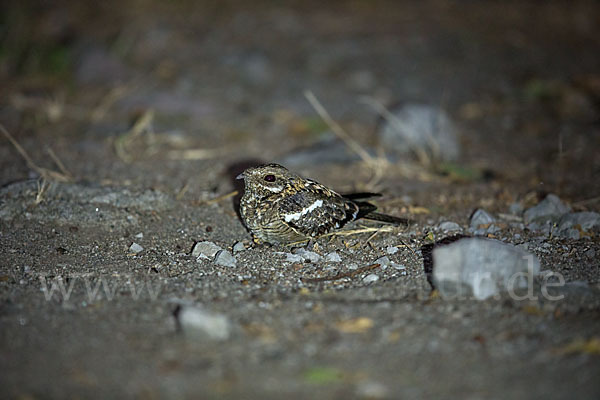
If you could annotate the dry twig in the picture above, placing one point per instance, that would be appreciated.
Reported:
(107, 101)
(377, 165)
(41, 190)
(124, 142)
(220, 198)
(45, 173)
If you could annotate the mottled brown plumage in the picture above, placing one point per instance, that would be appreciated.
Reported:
(279, 206)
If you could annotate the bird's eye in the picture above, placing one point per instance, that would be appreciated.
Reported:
(269, 178)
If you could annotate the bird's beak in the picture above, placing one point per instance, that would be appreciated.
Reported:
(240, 176)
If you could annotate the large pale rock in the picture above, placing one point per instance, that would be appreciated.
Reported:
(481, 268)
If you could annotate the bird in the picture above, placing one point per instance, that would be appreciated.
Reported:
(281, 207)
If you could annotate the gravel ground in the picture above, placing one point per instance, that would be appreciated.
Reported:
(151, 110)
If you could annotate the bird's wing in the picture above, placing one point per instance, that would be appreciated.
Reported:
(315, 210)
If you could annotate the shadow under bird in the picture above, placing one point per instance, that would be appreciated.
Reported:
(281, 207)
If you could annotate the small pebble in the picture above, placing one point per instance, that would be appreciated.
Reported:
(135, 248)
(308, 256)
(481, 217)
(591, 254)
(206, 250)
(239, 246)
(449, 226)
(333, 257)
(383, 261)
(225, 259)
(391, 250)
(371, 278)
(140, 235)
(293, 258)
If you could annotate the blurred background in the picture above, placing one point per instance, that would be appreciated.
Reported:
(466, 91)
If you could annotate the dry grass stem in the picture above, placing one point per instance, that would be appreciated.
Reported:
(337, 129)
(58, 162)
(45, 173)
(41, 190)
(182, 191)
(220, 198)
(107, 101)
(124, 142)
(365, 229)
(378, 165)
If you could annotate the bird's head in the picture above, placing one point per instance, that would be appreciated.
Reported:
(266, 179)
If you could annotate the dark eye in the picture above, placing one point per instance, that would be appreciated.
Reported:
(269, 178)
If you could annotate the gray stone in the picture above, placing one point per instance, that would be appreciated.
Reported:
(205, 250)
(481, 268)
(225, 258)
(135, 248)
(391, 250)
(421, 128)
(293, 258)
(333, 257)
(544, 227)
(590, 254)
(384, 261)
(196, 321)
(371, 278)
(239, 246)
(587, 221)
(307, 255)
(481, 217)
(551, 208)
(449, 226)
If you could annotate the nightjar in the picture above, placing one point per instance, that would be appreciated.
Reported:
(280, 207)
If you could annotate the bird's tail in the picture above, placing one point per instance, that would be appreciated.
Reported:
(388, 219)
